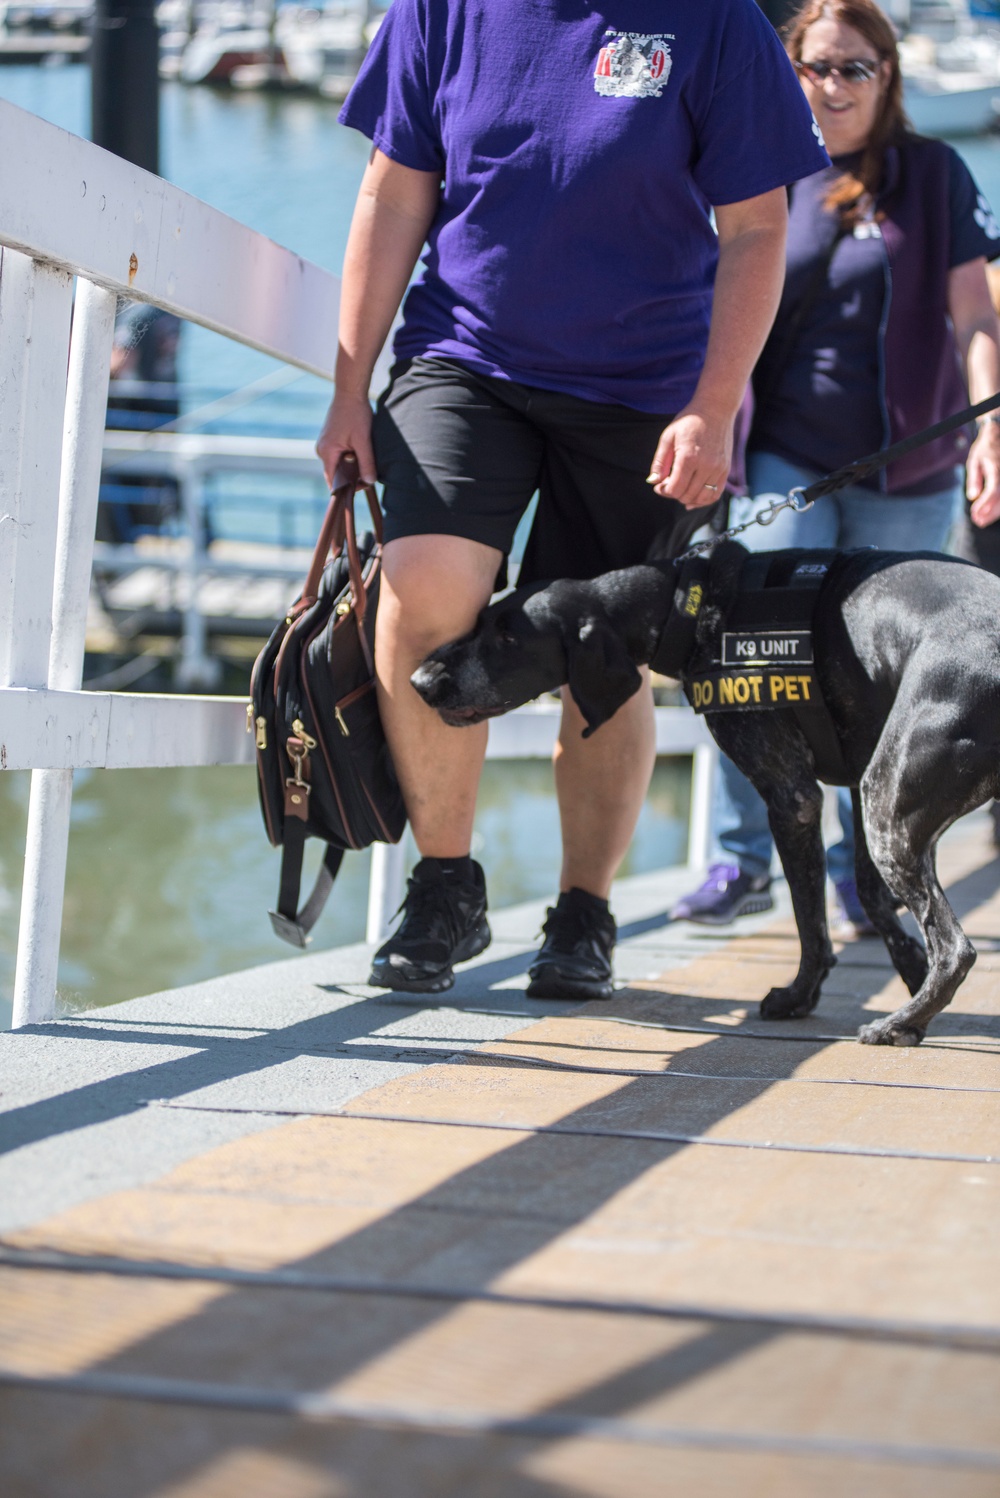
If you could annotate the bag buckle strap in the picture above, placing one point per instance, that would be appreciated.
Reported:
(297, 788)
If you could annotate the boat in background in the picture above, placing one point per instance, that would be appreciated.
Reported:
(952, 87)
(317, 48)
(950, 57)
(44, 30)
(323, 47)
(230, 38)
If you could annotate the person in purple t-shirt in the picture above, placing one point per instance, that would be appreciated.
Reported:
(578, 327)
(885, 327)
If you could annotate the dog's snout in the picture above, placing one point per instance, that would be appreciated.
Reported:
(429, 678)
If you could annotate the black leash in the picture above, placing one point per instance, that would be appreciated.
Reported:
(853, 473)
(801, 499)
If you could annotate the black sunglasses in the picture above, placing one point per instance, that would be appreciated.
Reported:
(858, 70)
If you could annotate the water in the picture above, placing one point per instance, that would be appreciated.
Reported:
(170, 875)
(280, 164)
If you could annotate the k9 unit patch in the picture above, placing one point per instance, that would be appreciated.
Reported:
(767, 647)
(749, 691)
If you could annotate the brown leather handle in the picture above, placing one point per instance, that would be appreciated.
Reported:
(338, 530)
(354, 562)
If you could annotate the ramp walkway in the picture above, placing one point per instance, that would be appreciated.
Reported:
(281, 1236)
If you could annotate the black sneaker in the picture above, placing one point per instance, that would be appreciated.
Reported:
(575, 958)
(444, 921)
(727, 893)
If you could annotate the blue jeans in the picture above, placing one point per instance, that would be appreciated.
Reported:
(853, 517)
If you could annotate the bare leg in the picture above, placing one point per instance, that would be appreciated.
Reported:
(432, 590)
(601, 783)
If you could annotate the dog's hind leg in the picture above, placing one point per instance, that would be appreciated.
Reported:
(950, 954)
(908, 955)
(902, 827)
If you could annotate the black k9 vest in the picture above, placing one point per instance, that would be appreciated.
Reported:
(764, 648)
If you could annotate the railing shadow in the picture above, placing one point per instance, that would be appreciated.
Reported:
(473, 1229)
(467, 1233)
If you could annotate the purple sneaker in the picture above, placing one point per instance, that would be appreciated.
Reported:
(727, 893)
(853, 916)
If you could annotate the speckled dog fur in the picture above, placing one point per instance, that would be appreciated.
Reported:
(907, 650)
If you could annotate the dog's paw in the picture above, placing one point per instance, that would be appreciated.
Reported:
(785, 1003)
(890, 1032)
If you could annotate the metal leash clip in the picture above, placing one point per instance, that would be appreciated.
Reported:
(794, 500)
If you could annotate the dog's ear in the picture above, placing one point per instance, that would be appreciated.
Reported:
(601, 675)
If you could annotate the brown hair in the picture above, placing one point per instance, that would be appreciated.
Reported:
(851, 189)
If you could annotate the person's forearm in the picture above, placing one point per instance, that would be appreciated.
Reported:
(977, 334)
(982, 361)
(694, 454)
(388, 231)
(748, 285)
(976, 329)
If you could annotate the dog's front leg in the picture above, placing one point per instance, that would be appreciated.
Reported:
(795, 812)
(773, 754)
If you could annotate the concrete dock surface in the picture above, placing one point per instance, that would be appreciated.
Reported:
(280, 1235)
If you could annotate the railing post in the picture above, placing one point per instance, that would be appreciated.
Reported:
(52, 790)
(80, 479)
(704, 763)
(35, 305)
(385, 888)
(196, 669)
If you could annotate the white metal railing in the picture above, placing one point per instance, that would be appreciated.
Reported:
(69, 209)
(191, 459)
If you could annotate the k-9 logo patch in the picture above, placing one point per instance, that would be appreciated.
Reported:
(631, 65)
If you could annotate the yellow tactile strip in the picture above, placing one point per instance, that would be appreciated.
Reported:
(590, 1212)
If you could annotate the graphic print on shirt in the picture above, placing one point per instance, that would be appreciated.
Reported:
(983, 216)
(631, 65)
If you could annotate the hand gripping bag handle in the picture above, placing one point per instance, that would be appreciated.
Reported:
(338, 530)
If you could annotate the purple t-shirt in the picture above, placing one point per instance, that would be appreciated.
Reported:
(581, 151)
(825, 405)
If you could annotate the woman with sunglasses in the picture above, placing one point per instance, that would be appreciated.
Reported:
(885, 308)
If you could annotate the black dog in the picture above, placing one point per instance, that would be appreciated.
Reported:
(907, 654)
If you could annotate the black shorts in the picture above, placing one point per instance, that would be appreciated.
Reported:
(461, 454)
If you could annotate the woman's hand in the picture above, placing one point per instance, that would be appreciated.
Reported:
(347, 428)
(982, 475)
(693, 458)
(978, 336)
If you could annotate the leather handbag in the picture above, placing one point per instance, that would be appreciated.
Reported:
(323, 765)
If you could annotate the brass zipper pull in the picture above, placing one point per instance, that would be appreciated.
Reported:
(341, 724)
(299, 727)
(257, 726)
